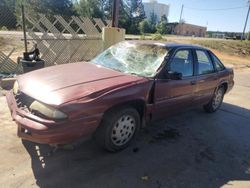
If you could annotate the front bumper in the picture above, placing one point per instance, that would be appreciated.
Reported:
(36, 129)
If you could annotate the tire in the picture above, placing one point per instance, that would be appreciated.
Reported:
(216, 101)
(117, 129)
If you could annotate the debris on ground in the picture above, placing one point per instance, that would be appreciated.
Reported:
(207, 154)
(135, 150)
(145, 178)
(167, 134)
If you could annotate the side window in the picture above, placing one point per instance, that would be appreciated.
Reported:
(182, 63)
(218, 65)
(205, 65)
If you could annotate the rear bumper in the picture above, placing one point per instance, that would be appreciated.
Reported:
(36, 129)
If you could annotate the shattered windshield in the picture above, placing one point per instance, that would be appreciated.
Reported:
(140, 59)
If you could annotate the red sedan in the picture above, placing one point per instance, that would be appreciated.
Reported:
(120, 91)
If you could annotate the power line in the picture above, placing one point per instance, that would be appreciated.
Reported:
(219, 9)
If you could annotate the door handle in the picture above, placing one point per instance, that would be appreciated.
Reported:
(193, 82)
(201, 81)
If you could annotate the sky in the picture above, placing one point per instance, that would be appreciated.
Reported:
(224, 20)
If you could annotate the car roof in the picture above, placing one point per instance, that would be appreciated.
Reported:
(166, 44)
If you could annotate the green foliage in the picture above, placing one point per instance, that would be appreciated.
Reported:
(131, 14)
(153, 22)
(145, 27)
(157, 36)
(4, 28)
(2, 41)
(106, 7)
(136, 15)
(7, 14)
(162, 27)
(124, 16)
(142, 37)
(89, 8)
(46, 7)
(151, 25)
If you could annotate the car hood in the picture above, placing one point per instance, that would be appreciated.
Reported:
(63, 83)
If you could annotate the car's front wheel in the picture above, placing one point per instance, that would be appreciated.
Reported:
(117, 129)
(216, 101)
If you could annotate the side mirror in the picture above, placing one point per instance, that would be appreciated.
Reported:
(174, 75)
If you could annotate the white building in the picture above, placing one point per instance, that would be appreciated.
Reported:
(158, 9)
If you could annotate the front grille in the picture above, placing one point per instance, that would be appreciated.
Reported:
(23, 101)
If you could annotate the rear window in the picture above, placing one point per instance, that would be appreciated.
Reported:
(218, 65)
(205, 65)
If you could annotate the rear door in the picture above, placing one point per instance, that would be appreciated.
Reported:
(207, 78)
(172, 96)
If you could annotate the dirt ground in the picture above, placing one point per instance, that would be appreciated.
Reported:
(192, 149)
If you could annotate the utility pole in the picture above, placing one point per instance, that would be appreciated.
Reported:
(181, 13)
(248, 36)
(24, 29)
(244, 30)
(115, 13)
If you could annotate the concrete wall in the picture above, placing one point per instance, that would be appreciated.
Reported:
(190, 30)
(111, 36)
(158, 9)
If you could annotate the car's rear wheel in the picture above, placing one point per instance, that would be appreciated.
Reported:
(216, 101)
(118, 128)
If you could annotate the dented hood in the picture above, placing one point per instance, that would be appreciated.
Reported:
(63, 83)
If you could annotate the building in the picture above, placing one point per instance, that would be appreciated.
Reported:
(188, 29)
(219, 35)
(153, 7)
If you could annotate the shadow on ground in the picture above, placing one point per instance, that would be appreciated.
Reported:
(193, 149)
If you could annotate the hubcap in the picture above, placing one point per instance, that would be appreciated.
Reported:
(217, 98)
(123, 130)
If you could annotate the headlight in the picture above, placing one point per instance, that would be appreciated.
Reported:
(47, 111)
(15, 88)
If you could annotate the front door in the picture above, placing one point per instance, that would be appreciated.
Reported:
(172, 96)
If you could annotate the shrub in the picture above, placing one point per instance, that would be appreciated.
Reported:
(4, 28)
(142, 37)
(157, 36)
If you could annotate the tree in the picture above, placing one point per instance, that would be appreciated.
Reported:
(136, 15)
(153, 22)
(130, 15)
(124, 16)
(162, 27)
(107, 6)
(7, 14)
(89, 8)
(46, 7)
(145, 27)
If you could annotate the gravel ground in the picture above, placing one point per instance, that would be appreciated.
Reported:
(192, 149)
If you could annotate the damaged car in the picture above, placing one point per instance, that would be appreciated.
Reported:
(117, 93)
